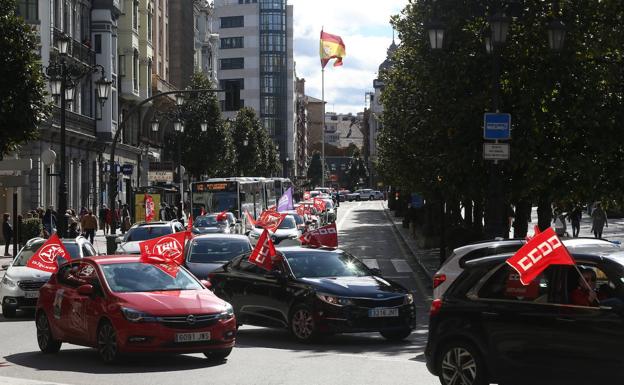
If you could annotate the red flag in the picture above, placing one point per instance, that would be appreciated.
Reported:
(270, 220)
(149, 207)
(250, 219)
(326, 236)
(222, 216)
(202, 212)
(45, 259)
(306, 195)
(166, 249)
(264, 252)
(543, 250)
(319, 204)
(301, 210)
(189, 226)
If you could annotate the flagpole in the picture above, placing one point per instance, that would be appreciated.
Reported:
(323, 128)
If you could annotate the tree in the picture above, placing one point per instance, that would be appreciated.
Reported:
(357, 172)
(22, 87)
(315, 170)
(259, 156)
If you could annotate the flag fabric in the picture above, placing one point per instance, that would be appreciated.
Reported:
(189, 226)
(543, 250)
(264, 252)
(45, 259)
(331, 47)
(286, 201)
(270, 220)
(202, 211)
(250, 219)
(166, 249)
(222, 216)
(326, 236)
(149, 208)
(301, 211)
(319, 204)
(306, 195)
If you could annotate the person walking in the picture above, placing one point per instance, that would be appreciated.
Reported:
(49, 222)
(7, 233)
(108, 221)
(574, 217)
(89, 225)
(599, 220)
(126, 223)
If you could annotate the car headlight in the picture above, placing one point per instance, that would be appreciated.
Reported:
(228, 313)
(138, 316)
(409, 299)
(8, 282)
(333, 300)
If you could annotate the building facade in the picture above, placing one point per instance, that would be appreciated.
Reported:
(344, 130)
(256, 66)
(206, 42)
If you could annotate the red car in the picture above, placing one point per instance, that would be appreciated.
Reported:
(121, 305)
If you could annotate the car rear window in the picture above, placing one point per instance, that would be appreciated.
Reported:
(505, 284)
(216, 250)
(144, 233)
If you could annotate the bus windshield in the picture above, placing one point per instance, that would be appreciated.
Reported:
(214, 197)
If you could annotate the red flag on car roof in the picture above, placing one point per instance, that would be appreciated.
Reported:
(45, 259)
(250, 219)
(264, 252)
(319, 204)
(222, 216)
(306, 195)
(543, 250)
(326, 236)
(270, 220)
(166, 251)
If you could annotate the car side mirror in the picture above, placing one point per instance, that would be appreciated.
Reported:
(86, 290)
(376, 271)
(5, 267)
(206, 283)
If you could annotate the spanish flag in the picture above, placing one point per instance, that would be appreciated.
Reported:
(332, 47)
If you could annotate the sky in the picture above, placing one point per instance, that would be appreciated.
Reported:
(364, 26)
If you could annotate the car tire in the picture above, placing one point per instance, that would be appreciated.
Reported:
(8, 312)
(107, 344)
(370, 198)
(45, 339)
(461, 359)
(302, 325)
(218, 355)
(396, 335)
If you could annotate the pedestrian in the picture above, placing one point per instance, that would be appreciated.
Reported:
(574, 217)
(108, 220)
(162, 213)
(560, 225)
(49, 222)
(7, 233)
(83, 211)
(126, 223)
(507, 220)
(89, 225)
(599, 220)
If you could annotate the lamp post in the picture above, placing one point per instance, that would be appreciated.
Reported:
(63, 77)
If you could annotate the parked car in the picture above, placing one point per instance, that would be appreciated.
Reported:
(342, 195)
(313, 292)
(211, 224)
(488, 327)
(205, 253)
(19, 288)
(453, 265)
(122, 305)
(378, 195)
(299, 220)
(287, 232)
(143, 231)
(361, 195)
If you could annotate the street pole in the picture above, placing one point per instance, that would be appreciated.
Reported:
(62, 193)
(323, 128)
(181, 205)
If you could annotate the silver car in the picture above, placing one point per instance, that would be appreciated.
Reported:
(209, 224)
(205, 253)
(129, 243)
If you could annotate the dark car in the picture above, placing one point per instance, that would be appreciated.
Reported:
(211, 224)
(205, 253)
(314, 292)
(488, 327)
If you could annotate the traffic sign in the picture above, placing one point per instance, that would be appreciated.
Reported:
(16, 165)
(496, 151)
(127, 169)
(496, 126)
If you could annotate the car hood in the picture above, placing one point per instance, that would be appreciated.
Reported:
(129, 248)
(173, 303)
(201, 270)
(364, 287)
(22, 273)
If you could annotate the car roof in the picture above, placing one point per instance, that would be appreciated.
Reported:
(238, 237)
(614, 255)
(295, 250)
(157, 223)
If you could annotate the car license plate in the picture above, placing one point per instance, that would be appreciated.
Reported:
(383, 312)
(192, 337)
(31, 294)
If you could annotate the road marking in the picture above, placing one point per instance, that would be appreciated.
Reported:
(21, 381)
(371, 263)
(401, 266)
(343, 218)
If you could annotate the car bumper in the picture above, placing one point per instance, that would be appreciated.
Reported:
(157, 337)
(19, 302)
(354, 319)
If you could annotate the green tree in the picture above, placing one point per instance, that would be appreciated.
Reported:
(259, 157)
(315, 170)
(22, 87)
(357, 172)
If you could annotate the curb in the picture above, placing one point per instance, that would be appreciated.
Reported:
(412, 250)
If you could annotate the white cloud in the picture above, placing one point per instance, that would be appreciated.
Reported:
(364, 26)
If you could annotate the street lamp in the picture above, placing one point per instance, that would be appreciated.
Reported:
(435, 31)
(179, 100)
(155, 124)
(556, 35)
(204, 126)
(70, 91)
(489, 48)
(62, 44)
(178, 126)
(103, 87)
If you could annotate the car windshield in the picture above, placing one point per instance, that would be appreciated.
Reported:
(217, 250)
(28, 251)
(145, 277)
(143, 233)
(288, 223)
(319, 264)
(207, 221)
(298, 219)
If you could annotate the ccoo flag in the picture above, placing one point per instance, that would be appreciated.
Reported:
(332, 47)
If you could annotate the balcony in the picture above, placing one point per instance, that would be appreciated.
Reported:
(79, 52)
(78, 125)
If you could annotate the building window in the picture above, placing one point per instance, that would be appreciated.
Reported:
(231, 42)
(135, 15)
(235, 63)
(227, 84)
(272, 42)
(273, 4)
(273, 21)
(232, 22)
(135, 71)
(28, 9)
(150, 27)
(98, 43)
(149, 78)
(271, 84)
(272, 63)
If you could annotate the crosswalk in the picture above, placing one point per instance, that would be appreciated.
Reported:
(390, 268)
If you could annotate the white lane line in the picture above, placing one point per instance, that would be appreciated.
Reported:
(21, 381)
(371, 263)
(401, 266)
(343, 218)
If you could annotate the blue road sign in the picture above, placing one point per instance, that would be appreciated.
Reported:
(496, 126)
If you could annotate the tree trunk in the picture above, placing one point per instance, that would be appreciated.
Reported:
(544, 212)
(478, 217)
(521, 220)
(468, 212)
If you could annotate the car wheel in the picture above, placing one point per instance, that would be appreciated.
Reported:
(8, 312)
(218, 355)
(107, 342)
(45, 339)
(302, 325)
(461, 363)
(370, 198)
(396, 335)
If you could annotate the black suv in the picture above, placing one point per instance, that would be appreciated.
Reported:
(488, 327)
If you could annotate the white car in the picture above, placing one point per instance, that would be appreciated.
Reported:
(453, 266)
(287, 232)
(139, 232)
(19, 288)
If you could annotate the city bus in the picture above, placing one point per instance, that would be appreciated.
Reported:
(235, 194)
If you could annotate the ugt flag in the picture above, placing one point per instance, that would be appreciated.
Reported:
(326, 236)
(270, 220)
(166, 249)
(149, 208)
(286, 201)
(262, 255)
(332, 47)
(46, 258)
(543, 250)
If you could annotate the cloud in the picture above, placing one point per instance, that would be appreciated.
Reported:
(364, 26)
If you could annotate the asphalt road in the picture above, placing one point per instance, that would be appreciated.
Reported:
(262, 356)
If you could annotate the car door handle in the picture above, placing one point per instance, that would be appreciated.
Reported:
(490, 314)
(565, 319)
